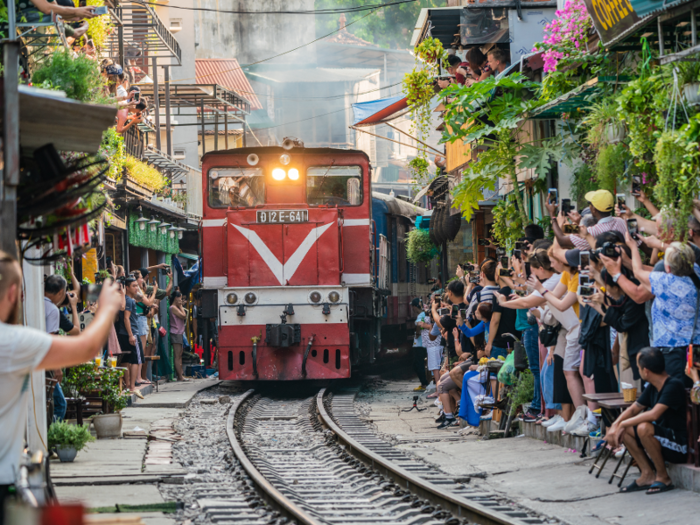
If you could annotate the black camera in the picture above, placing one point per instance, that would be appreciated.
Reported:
(609, 249)
(467, 267)
(474, 280)
(165, 271)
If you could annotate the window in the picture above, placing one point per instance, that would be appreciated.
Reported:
(334, 185)
(236, 187)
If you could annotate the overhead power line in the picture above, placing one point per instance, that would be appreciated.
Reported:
(329, 11)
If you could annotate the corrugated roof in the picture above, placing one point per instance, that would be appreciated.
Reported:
(313, 75)
(227, 73)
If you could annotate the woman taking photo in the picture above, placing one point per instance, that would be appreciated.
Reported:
(178, 315)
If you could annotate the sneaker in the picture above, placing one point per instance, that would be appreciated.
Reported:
(584, 429)
(440, 418)
(620, 452)
(556, 427)
(419, 388)
(529, 417)
(449, 422)
(552, 421)
(576, 420)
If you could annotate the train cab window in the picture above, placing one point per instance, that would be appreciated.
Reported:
(236, 187)
(334, 185)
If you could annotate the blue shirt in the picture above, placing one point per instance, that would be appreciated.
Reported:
(673, 309)
(521, 320)
(471, 332)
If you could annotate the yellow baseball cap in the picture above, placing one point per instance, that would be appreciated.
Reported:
(602, 200)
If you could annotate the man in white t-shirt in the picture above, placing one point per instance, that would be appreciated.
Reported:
(24, 350)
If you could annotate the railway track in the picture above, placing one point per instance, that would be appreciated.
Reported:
(316, 462)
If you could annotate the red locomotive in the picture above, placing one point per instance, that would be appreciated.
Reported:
(295, 271)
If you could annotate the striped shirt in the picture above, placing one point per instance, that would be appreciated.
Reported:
(605, 224)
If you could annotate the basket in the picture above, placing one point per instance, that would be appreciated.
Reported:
(629, 394)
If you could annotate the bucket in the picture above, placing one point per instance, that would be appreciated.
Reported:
(630, 394)
(108, 425)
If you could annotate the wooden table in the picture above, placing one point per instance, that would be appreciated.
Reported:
(602, 397)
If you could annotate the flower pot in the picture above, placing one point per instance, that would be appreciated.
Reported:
(66, 453)
(691, 92)
(108, 425)
(615, 132)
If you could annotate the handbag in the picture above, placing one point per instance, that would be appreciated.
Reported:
(549, 334)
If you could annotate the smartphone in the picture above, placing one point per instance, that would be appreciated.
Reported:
(565, 206)
(101, 10)
(586, 291)
(520, 246)
(500, 252)
(632, 227)
(584, 259)
(505, 262)
(620, 198)
(90, 293)
(455, 311)
(636, 186)
(583, 279)
(482, 242)
(695, 356)
(518, 254)
(520, 293)
(570, 228)
(504, 272)
(437, 299)
(463, 313)
(443, 312)
(474, 280)
(527, 270)
(552, 196)
(137, 96)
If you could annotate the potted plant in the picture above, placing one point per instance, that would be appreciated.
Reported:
(109, 425)
(603, 123)
(68, 439)
(689, 78)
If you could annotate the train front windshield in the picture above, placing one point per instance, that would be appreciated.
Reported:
(334, 185)
(236, 187)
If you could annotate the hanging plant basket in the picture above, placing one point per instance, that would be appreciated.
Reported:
(691, 93)
(615, 132)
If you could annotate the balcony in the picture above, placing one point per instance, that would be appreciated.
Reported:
(144, 33)
(133, 142)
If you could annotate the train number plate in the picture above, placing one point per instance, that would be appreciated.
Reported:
(282, 216)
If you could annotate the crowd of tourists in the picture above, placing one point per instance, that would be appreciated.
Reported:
(605, 304)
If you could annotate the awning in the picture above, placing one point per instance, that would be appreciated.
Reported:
(647, 7)
(378, 111)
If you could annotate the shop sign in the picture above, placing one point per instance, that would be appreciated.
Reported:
(611, 17)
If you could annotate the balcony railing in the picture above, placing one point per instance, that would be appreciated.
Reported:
(133, 142)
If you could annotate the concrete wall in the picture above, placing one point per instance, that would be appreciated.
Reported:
(250, 38)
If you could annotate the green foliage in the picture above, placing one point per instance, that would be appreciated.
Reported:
(610, 167)
(154, 240)
(582, 182)
(541, 156)
(78, 76)
(112, 148)
(76, 436)
(419, 166)
(87, 378)
(419, 247)
(390, 27)
(688, 72)
(601, 115)
(523, 392)
(508, 223)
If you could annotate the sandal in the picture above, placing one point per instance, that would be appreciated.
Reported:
(658, 486)
(633, 487)
(432, 396)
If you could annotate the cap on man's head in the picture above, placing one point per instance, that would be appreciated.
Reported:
(114, 69)
(416, 302)
(601, 200)
(572, 257)
(143, 272)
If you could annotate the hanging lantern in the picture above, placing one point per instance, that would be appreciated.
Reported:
(141, 221)
(180, 231)
(172, 231)
(153, 224)
(163, 227)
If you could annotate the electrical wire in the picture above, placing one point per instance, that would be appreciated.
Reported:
(329, 11)
(269, 58)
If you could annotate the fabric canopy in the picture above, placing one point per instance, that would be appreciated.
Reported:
(377, 111)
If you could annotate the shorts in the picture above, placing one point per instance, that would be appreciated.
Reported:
(175, 339)
(572, 353)
(141, 326)
(671, 449)
(129, 352)
(434, 357)
(446, 384)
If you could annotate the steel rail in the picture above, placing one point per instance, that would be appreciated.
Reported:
(268, 491)
(436, 495)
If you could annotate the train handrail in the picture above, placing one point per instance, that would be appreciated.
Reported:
(341, 222)
(224, 256)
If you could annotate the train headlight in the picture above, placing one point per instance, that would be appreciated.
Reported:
(278, 174)
(334, 297)
(285, 159)
(232, 298)
(250, 298)
(293, 174)
(315, 297)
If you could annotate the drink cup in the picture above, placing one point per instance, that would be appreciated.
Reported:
(98, 361)
(112, 362)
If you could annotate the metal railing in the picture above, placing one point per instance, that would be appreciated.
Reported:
(133, 142)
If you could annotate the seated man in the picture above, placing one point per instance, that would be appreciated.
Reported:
(654, 426)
